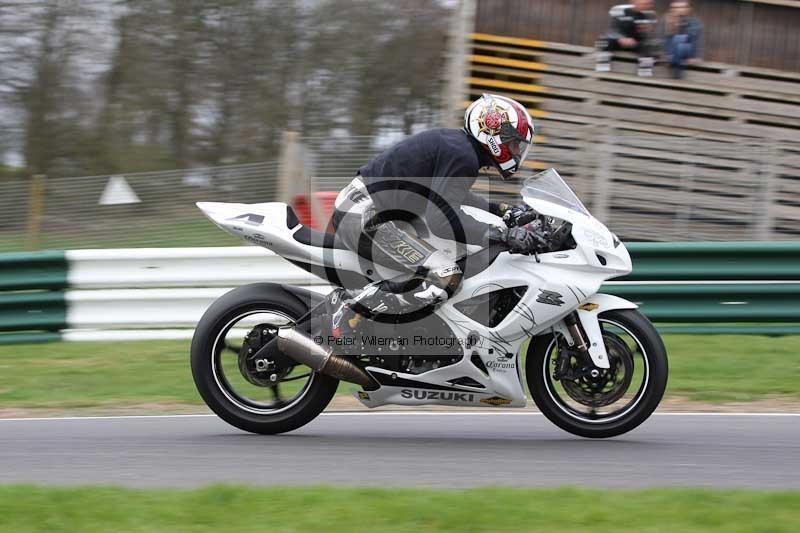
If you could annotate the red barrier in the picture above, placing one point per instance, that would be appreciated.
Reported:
(325, 202)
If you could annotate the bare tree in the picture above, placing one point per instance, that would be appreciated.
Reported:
(189, 81)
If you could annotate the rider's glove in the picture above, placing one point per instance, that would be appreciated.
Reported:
(517, 215)
(519, 240)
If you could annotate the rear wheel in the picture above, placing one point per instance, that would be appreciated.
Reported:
(593, 402)
(246, 393)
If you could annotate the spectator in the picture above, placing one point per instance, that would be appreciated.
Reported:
(683, 37)
(632, 30)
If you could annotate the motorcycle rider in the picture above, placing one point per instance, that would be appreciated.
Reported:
(427, 177)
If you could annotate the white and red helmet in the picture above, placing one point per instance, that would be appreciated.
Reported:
(503, 127)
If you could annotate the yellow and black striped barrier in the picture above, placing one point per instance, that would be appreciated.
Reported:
(507, 65)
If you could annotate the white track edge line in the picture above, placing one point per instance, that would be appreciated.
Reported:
(374, 413)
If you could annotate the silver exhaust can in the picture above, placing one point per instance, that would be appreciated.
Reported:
(302, 348)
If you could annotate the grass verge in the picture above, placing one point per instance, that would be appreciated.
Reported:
(137, 232)
(243, 509)
(100, 375)
(733, 368)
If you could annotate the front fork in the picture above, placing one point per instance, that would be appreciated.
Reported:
(581, 329)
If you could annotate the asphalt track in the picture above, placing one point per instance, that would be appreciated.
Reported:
(447, 449)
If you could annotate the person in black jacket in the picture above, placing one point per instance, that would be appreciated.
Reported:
(632, 29)
(419, 185)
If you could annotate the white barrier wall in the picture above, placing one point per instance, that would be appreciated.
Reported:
(181, 267)
(154, 293)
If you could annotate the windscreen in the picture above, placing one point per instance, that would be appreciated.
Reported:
(550, 187)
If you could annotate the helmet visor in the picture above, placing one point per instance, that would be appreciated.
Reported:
(516, 143)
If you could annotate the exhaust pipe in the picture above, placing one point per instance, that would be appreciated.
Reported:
(302, 348)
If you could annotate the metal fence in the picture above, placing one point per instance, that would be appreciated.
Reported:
(646, 187)
(67, 213)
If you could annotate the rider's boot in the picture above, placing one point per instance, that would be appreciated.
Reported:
(392, 298)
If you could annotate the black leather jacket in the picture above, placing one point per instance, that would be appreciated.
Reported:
(628, 22)
(430, 175)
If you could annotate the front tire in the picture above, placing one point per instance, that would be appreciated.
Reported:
(553, 399)
(265, 299)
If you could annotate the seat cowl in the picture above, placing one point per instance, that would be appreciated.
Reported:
(309, 236)
(312, 237)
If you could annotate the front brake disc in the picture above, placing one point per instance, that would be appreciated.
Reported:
(610, 384)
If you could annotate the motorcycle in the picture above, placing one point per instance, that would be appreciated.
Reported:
(594, 365)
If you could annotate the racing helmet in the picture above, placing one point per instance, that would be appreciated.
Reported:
(504, 129)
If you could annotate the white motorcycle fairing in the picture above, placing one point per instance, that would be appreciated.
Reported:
(549, 288)
(274, 226)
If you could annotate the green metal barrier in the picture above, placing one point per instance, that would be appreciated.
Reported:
(708, 303)
(683, 287)
(33, 337)
(34, 311)
(769, 330)
(32, 297)
(37, 270)
(714, 261)
(728, 302)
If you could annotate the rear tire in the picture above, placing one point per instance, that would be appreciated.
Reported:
(249, 298)
(652, 391)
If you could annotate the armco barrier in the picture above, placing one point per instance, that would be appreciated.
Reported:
(161, 293)
(180, 267)
(37, 270)
(30, 311)
(714, 261)
(710, 303)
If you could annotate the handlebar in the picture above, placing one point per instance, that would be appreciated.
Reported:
(554, 231)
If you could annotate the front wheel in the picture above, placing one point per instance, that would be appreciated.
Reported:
(598, 403)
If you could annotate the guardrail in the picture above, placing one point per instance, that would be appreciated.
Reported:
(39, 270)
(715, 261)
(161, 293)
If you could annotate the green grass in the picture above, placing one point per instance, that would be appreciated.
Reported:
(88, 374)
(99, 375)
(733, 368)
(243, 509)
(102, 374)
(193, 230)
